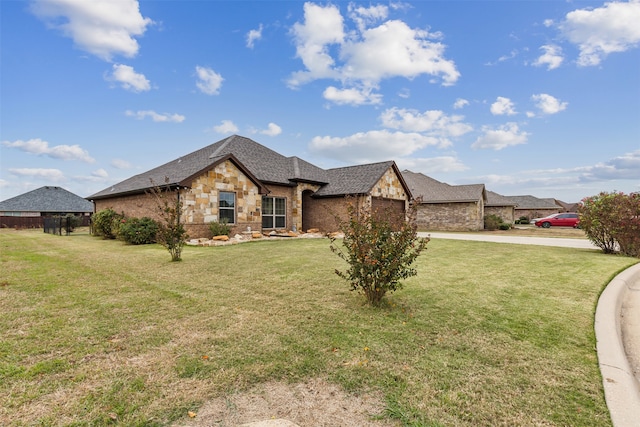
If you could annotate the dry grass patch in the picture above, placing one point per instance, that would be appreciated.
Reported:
(95, 332)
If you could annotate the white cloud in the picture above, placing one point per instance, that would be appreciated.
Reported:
(226, 127)
(432, 165)
(502, 106)
(120, 164)
(598, 32)
(626, 166)
(352, 96)
(552, 57)
(129, 79)
(433, 123)
(103, 28)
(404, 93)
(372, 146)
(460, 103)
(548, 104)
(49, 174)
(254, 35)
(41, 148)
(272, 130)
(363, 56)
(323, 26)
(156, 117)
(393, 49)
(100, 173)
(209, 81)
(504, 136)
(366, 16)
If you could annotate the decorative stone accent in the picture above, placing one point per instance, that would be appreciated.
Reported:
(221, 238)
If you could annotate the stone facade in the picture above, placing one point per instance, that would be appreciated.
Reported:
(201, 200)
(389, 187)
(303, 211)
(468, 216)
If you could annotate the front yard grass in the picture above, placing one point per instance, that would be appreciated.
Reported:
(95, 332)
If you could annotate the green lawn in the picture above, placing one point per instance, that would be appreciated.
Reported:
(486, 334)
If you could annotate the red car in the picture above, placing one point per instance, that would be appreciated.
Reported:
(567, 219)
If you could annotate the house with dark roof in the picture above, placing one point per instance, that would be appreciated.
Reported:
(533, 207)
(501, 206)
(446, 207)
(252, 187)
(27, 210)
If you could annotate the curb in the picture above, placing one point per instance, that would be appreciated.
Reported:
(621, 389)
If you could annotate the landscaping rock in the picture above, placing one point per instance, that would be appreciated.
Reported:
(221, 238)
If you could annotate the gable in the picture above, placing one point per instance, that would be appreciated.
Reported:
(434, 191)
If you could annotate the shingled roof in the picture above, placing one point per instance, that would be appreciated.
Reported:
(495, 199)
(257, 161)
(354, 180)
(531, 202)
(47, 200)
(434, 191)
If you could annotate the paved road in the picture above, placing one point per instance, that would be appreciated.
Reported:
(519, 240)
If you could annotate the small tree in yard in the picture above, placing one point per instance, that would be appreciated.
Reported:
(171, 233)
(379, 248)
(612, 219)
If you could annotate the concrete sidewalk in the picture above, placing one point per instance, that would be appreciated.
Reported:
(617, 327)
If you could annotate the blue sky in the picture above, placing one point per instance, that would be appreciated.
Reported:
(526, 97)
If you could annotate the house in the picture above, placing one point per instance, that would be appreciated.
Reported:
(533, 207)
(28, 209)
(447, 207)
(501, 206)
(568, 207)
(252, 187)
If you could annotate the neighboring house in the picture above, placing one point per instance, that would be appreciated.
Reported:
(533, 207)
(568, 207)
(27, 210)
(500, 205)
(254, 188)
(447, 207)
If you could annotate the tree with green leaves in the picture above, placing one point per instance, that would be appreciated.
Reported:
(379, 247)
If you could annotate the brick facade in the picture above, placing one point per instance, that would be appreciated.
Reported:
(303, 211)
(467, 216)
(505, 212)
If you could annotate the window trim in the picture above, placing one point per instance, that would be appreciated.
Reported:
(274, 216)
(225, 208)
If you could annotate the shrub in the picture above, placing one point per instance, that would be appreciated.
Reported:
(106, 223)
(379, 250)
(504, 226)
(219, 228)
(612, 220)
(492, 222)
(138, 231)
(171, 232)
